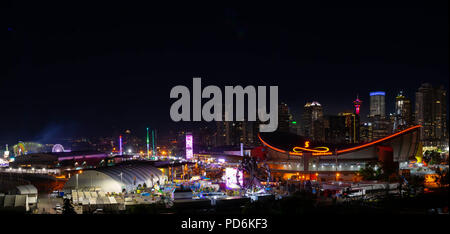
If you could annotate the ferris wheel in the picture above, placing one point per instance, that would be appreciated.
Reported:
(57, 148)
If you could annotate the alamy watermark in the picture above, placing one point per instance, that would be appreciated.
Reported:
(213, 109)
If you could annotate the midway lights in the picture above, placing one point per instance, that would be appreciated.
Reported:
(325, 150)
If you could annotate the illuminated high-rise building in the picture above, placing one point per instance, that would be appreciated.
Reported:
(352, 124)
(342, 128)
(312, 112)
(402, 115)
(377, 104)
(431, 113)
(381, 127)
(284, 118)
(366, 132)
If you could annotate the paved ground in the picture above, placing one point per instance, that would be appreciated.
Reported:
(46, 204)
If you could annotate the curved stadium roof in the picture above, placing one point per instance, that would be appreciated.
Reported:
(285, 142)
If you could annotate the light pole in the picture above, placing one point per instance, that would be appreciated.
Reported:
(153, 143)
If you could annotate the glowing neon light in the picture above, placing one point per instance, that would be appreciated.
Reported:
(321, 149)
(357, 104)
(189, 148)
(276, 149)
(120, 144)
(377, 93)
(148, 145)
(379, 140)
(57, 148)
(306, 144)
(322, 153)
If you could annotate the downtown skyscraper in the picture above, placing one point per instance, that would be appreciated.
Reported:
(377, 104)
(431, 113)
(403, 112)
(377, 116)
(312, 121)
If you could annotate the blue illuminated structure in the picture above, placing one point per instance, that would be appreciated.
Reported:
(377, 93)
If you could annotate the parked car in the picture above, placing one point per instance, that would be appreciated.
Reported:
(98, 211)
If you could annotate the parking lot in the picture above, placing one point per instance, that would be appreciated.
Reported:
(47, 204)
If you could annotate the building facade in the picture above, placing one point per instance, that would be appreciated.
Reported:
(312, 112)
(431, 113)
(377, 104)
(403, 113)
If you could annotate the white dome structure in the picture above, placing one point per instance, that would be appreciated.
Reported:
(115, 178)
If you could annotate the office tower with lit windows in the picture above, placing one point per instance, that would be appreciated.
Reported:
(286, 122)
(431, 113)
(312, 112)
(342, 128)
(366, 132)
(284, 118)
(351, 123)
(377, 104)
(403, 113)
(334, 129)
(381, 126)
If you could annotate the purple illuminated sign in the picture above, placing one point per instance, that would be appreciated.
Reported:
(189, 147)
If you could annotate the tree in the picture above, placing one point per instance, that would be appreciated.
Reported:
(369, 172)
(435, 158)
(415, 183)
(68, 208)
(442, 176)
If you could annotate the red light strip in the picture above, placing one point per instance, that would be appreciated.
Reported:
(349, 149)
(265, 143)
(325, 149)
(379, 140)
(276, 149)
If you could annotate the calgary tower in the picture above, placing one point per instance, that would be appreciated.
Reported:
(357, 104)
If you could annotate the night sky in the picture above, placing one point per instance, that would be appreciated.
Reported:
(72, 70)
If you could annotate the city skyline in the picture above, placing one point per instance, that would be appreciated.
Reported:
(91, 77)
(56, 132)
